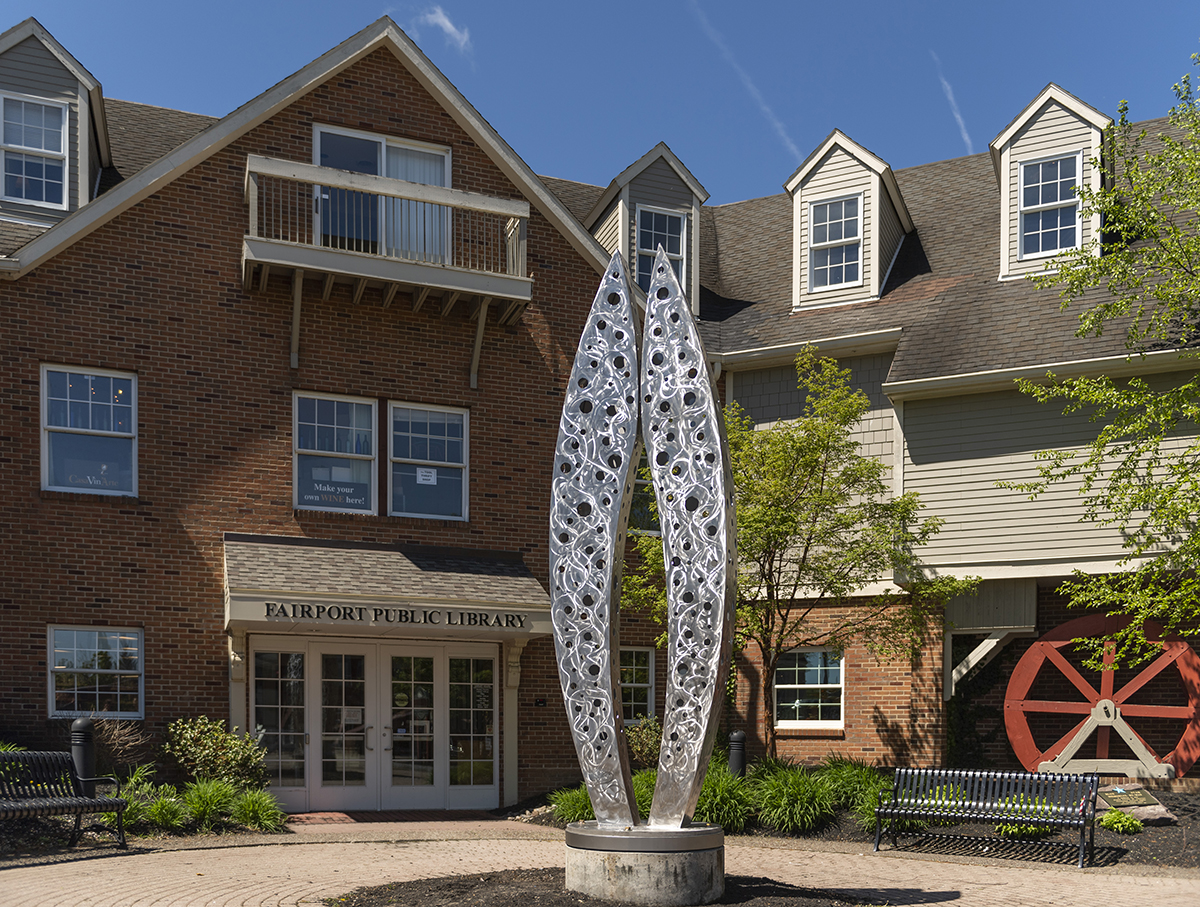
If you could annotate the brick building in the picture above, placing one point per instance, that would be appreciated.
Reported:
(281, 392)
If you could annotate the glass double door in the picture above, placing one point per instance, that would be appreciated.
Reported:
(395, 727)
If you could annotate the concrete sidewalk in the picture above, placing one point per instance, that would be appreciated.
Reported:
(326, 860)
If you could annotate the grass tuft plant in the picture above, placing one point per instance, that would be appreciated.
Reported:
(166, 811)
(260, 810)
(572, 804)
(209, 801)
(724, 800)
(1025, 831)
(793, 800)
(643, 790)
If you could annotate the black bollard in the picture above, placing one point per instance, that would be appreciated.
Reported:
(83, 753)
(737, 754)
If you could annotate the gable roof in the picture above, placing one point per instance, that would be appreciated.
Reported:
(839, 139)
(1050, 94)
(32, 28)
(383, 33)
(626, 176)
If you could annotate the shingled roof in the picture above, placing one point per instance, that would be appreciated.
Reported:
(139, 134)
(956, 317)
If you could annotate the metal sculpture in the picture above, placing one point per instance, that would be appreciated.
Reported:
(598, 449)
(689, 463)
(1100, 712)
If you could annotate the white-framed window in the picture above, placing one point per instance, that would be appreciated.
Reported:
(95, 671)
(835, 243)
(1050, 205)
(658, 227)
(89, 430)
(381, 225)
(429, 461)
(637, 683)
(33, 145)
(334, 457)
(643, 514)
(809, 689)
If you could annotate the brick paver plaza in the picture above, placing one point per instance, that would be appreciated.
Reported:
(334, 856)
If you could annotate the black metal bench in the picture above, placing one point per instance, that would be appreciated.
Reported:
(949, 796)
(45, 784)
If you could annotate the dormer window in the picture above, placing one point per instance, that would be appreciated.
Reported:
(1049, 221)
(658, 228)
(33, 148)
(834, 243)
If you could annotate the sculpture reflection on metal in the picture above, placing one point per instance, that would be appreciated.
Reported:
(598, 449)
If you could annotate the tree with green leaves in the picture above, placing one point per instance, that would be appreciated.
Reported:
(1141, 473)
(817, 523)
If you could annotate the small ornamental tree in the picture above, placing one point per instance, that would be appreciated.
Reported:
(1141, 473)
(817, 524)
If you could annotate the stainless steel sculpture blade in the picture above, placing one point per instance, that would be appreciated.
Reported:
(598, 449)
(693, 485)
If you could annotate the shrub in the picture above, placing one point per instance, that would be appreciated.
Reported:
(644, 740)
(1121, 823)
(209, 801)
(643, 790)
(851, 781)
(1025, 831)
(793, 800)
(259, 809)
(572, 804)
(724, 799)
(207, 751)
(166, 811)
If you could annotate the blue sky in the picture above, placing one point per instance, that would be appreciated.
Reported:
(740, 92)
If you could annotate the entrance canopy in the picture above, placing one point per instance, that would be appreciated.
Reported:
(279, 584)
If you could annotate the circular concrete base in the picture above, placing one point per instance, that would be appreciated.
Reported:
(676, 867)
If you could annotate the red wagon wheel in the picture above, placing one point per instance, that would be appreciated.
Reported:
(1105, 709)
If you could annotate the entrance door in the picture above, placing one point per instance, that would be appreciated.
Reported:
(402, 727)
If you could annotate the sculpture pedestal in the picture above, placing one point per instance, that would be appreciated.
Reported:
(678, 867)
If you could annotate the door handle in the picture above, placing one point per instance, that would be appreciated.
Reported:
(367, 737)
(387, 735)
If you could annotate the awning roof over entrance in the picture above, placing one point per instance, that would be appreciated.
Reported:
(287, 584)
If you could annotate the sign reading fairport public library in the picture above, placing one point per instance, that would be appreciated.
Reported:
(357, 617)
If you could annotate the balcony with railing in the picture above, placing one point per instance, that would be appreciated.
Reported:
(385, 235)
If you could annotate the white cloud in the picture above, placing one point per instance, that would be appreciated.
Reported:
(436, 16)
(747, 82)
(949, 92)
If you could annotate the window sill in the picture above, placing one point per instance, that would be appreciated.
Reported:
(827, 733)
(53, 494)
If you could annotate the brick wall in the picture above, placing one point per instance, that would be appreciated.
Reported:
(892, 710)
(158, 291)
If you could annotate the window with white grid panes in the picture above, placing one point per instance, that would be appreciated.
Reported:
(637, 683)
(343, 720)
(429, 460)
(472, 721)
(33, 148)
(808, 689)
(89, 430)
(658, 228)
(834, 240)
(412, 724)
(1049, 206)
(279, 715)
(334, 453)
(95, 670)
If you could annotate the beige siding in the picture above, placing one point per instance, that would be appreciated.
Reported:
(996, 603)
(1054, 131)
(958, 448)
(837, 175)
(891, 232)
(608, 233)
(30, 69)
(770, 395)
